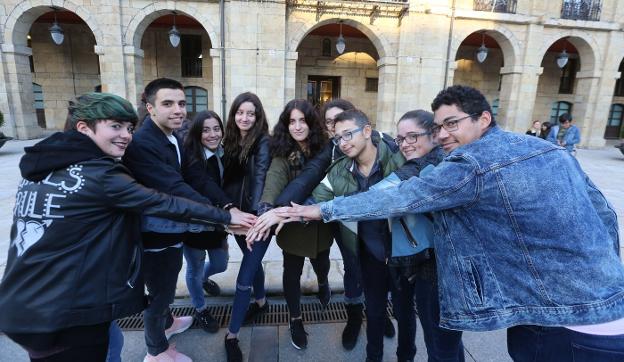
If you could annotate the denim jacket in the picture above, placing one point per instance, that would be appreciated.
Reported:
(571, 138)
(505, 254)
(413, 233)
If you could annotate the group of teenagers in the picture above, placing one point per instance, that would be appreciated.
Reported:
(449, 216)
(564, 134)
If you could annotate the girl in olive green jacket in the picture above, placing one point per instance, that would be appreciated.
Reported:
(297, 137)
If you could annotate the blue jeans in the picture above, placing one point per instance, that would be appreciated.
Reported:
(250, 274)
(115, 343)
(198, 270)
(352, 276)
(160, 270)
(376, 282)
(558, 344)
(443, 345)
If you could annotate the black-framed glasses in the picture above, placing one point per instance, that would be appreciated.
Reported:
(410, 138)
(346, 136)
(450, 125)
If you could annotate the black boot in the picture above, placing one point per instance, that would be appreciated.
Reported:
(354, 324)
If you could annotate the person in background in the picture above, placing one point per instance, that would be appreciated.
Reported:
(546, 126)
(565, 134)
(536, 129)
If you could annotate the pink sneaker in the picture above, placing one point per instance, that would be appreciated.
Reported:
(180, 324)
(170, 355)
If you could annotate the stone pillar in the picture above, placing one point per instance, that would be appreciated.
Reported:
(217, 91)
(113, 70)
(290, 75)
(134, 73)
(517, 97)
(22, 118)
(386, 97)
(584, 109)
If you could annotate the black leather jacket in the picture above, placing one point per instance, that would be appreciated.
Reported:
(75, 252)
(244, 183)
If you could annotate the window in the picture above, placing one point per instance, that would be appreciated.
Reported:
(614, 123)
(619, 84)
(568, 75)
(191, 55)
(372, 84)
(581, 9)
(499, 6)
(558, 109)
(38, 105)
(494, 107)
(196, 100)
(326, 47)
(30, 57)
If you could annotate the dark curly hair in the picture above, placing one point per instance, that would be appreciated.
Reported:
(193, 142)
(466, 99)
(232, 140)
(282, 144)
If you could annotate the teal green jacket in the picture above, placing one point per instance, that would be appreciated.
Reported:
(340, 181)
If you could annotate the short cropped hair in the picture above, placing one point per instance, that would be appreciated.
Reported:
(157, 84)
(94, 107)
(355, 115)
(467, 99)
(566, 117)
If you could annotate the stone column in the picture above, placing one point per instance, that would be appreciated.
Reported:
(594, 92)
(290, 75)
(517, 96)
(113, 70)
(217, 91)
(386, 97)
(22, 119)
(134, 73)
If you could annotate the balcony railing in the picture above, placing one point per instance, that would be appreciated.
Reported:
(497, 6)
(581, 9)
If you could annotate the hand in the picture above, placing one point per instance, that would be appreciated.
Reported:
(297, 213)
(239, 218)
(263, 225)
(238, 229)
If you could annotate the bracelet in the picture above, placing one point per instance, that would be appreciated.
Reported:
(229, 206)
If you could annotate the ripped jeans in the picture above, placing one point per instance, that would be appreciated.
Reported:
(250, 275)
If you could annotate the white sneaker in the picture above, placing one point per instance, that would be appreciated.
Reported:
(180, 324)
(170, 355)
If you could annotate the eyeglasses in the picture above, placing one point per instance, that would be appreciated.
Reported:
(410, 138)
(450, 125)
(346, 136)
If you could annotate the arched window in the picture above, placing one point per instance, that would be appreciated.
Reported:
(558, 109)
(326, 47)
(196, 100)
(494, 107)
(38, 104)
(614, 123)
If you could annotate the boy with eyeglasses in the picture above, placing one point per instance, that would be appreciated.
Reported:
(507, 257)
(366, 163)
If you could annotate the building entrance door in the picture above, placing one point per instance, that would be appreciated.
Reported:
(322, 89)
(614, 124)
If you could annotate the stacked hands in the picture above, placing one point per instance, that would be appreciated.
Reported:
(261, 229)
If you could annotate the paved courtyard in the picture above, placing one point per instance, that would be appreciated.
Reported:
(604, 166)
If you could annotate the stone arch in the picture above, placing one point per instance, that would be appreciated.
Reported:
(582, 41)
(22, 16)
(304, 27)
(140, 22)
(510, 45)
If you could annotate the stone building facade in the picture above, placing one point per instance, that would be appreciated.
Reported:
(398, 55)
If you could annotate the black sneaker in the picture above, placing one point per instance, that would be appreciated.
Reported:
(211, 288)
(207, 321)
(232, 350)
(254, 311)
(324, 294)
(389, 331)
(298, 335)
(354, 324)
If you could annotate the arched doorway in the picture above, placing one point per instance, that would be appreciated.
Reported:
(323, 73)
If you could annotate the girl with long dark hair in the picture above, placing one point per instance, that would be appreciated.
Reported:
(202, 168)
(298, 136)
(246, 161)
